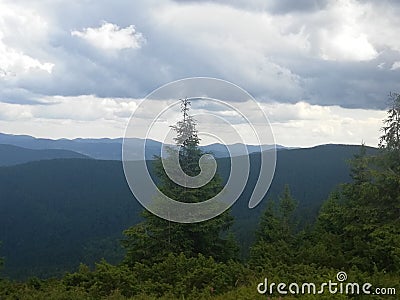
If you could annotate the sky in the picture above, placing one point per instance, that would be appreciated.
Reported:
(321, 70)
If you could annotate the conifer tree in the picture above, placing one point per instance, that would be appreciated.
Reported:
(390, 140)
(275, 236)
(153, 239)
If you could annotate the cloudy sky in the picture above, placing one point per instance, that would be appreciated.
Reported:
(320, 69)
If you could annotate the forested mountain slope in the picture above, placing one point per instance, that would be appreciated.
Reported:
(57, 213)
(13, 155)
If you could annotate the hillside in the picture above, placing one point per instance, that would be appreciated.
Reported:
(312, 174)
(55, 214)
(13, 155)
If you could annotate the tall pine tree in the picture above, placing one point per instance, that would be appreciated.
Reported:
(153, 239)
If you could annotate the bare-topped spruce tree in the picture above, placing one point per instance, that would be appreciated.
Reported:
(186, 132)
(390, 140)
(154, 238)
(188, 141)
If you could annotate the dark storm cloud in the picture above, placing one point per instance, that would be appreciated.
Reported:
(349, 84)
(288, 6)
(275, 7)
(19, 96)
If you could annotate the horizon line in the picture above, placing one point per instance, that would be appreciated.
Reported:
(207, 144)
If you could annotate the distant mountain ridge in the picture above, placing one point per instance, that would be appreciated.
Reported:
(13, 155)
(111, 149)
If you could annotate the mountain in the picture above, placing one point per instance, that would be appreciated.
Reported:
(13, 155)
(111, 149)
(220, 150)
(95, 148)
(55, 214)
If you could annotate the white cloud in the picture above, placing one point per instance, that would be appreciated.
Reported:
(79, 108)
(341, 31)
(347, 46)
(14, 62)
(69, 117)
(237, 45)
(111, 37)
(302, 124)
(279, 112)
(84, 108)
(395, 66)
(14, 112)
(15, 23)
(63, 128)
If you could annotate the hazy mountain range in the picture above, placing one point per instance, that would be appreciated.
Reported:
(110, 149)
(13, 155)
